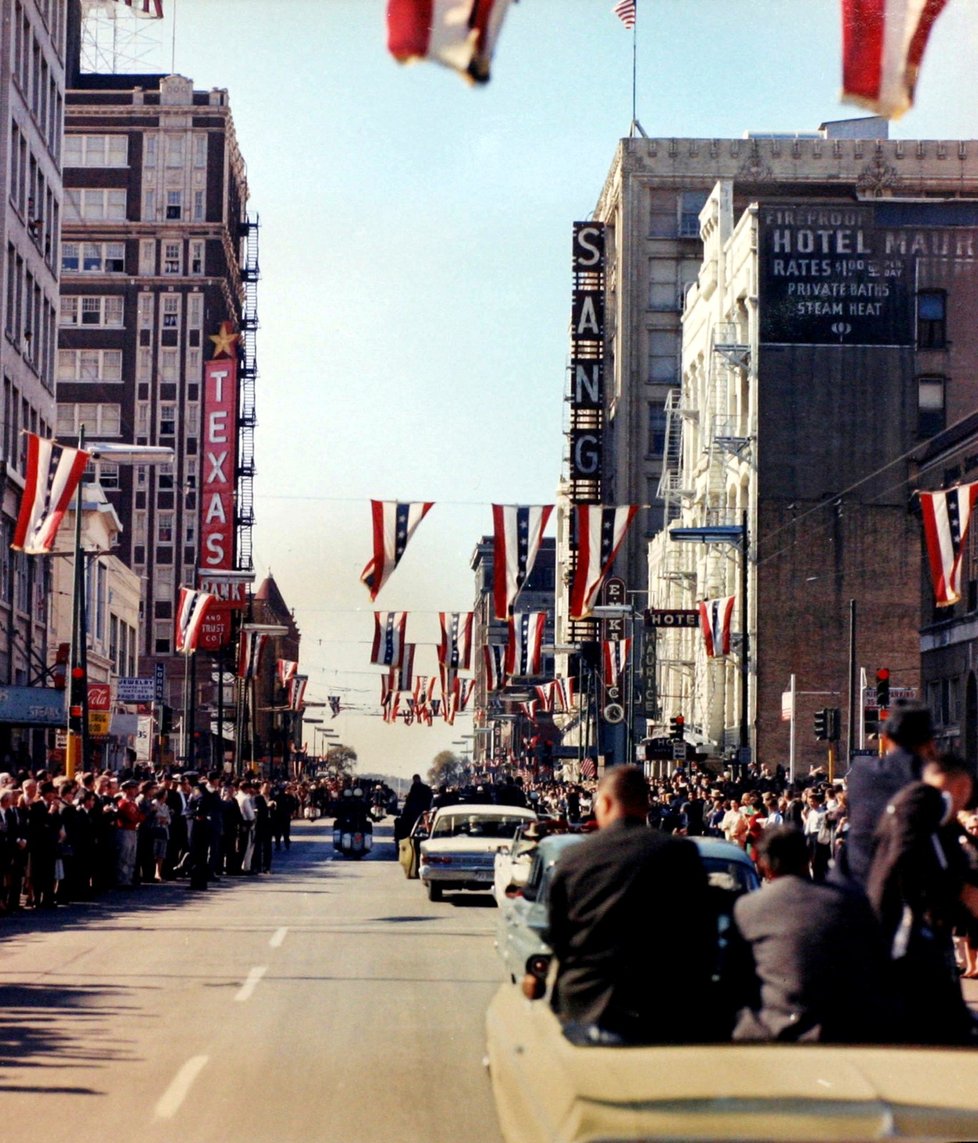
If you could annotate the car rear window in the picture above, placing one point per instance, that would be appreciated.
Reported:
(470, 825)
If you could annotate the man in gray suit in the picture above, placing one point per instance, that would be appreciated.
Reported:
(810, 958)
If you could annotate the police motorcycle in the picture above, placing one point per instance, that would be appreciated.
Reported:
(352, 828)
(378, 807)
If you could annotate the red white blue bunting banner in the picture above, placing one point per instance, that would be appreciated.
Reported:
(297, 691)
(883, 44)
(394, 524)
(946, 517)
(517, 535)
(715, 616)
(389, 631)
(494, 663)
(250, 647)
(600, 531)
(460, 34)
(556, 696)
(389, 696)
(50, 480)
(614, 656)
(424, 691)
(335, 705)
(285, 671)
(192, 608)
(525, 641)
(455, 648)
(152, 8)
(402, 676)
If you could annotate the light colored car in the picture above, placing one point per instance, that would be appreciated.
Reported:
(460, 851)
(408, 848)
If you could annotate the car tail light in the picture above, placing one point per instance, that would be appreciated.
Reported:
(538, 966)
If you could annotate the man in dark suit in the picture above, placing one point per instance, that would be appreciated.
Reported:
(908, 740)
(808, 960)
(631, 927)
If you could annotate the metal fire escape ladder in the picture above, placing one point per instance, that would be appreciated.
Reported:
(729, 347)
(670, 490)
(248, 233)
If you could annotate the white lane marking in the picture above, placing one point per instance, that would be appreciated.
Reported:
(244, 993)
(278, 938)
(177, 1092)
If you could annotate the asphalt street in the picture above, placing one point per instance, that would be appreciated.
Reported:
(327, 1001)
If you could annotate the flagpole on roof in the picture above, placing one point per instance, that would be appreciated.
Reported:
(636, 127)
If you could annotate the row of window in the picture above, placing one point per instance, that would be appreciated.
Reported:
(32, 196)
(154, 258)
(19, 415)
(38, 82)
(106, 311)
(112, 150)
(29, 320)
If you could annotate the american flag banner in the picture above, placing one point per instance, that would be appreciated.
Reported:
(494, 662)
(460, 34)
(389, 697)
(946, 516)
(589, 770)
(525, 640)
(297, 691)
(403, 674)
(529, 709)
(394, 524)
(455, 648)
(450, 702)
(192, 608)
(614, 656)
(563, 695)
(465, 689)
(389, 631)
(517, 535)
(335, 704)
(408, 713)
(50, 480)
(285, 670)
(600, 531)
(424, 689)
(545, 696)
(250, 647)
(715, 615)
(883, 43)
(625, 10)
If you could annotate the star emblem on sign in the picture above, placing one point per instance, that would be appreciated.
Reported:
(225, 340)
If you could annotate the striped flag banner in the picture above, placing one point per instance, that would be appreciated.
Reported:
(285, 671)
(494, 663)
(600, 532)
(455, 648)
(250, 647)
(50, 480)
(517, 535)
(614, 655)
(297, 692)
(625, 10)
(152, 8)
(394, 524)
(715, 616)
(389, 632)
(192, 608)
(459, 35)
(946, 516)
(523, 649)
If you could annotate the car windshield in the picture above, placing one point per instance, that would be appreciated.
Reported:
(470, 825)
(734, 876)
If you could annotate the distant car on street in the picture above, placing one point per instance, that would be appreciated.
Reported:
(461, 848)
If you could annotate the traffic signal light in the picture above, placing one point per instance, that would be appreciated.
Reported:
(59, 675)
(832, 723)
(76, 699)
(822, 724)
(677, 728)
(883, 688)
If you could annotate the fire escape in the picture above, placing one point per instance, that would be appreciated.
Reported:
(248, 374)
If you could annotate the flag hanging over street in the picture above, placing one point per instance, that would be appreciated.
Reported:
(50, 480)
(947, 515)
(715, 615)
(455, 648)
(152, 8)
(394, 524)
(390, 699)
(883, 44)
(389, 631)
(192, 607)
(625, 11)
(517, 535)
(600, 531)
(402, 674)
(285, 670)
(563, 695)
(297, 691)
(525, 641)
(460, 34)
(614, 655)
(335, 705)
(250, 646)
(494, 661)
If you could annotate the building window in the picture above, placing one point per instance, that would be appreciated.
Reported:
(931, 411)
(93, 257)
(931, 319)
(196, 257)
(171, 258)
(164, 528)
(690, 205)
(96, 151)
(98, 310)
(174, 205)
(199, 206)
(94, 204)
(107, 474)
(150, 149)
(168, 420)
(171, 311)
(89, 364)
(162, 632)
(174, 150)
(98, 419)
(200, 150)
(147, 257)
(169, 364)
(657, 430)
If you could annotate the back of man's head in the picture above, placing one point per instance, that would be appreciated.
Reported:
(909, 725)
(781, 852)
(622, 793)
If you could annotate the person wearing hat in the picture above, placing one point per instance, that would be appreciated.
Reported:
(908, 741)
(922, 879)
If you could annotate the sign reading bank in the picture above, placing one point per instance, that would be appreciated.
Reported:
(830, 275)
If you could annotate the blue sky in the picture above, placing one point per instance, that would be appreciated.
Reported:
(415, 256)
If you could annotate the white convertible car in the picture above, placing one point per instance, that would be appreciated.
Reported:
(460, 852)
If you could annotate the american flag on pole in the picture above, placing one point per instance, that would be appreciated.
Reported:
(600, 531)
(947, 515)
(297, 691)
(455, 648)
(51, 478)
(525, 640)
(715, 616)
(250, 646)
(589, 770)
(285, 670)
(517, 535)
(883, 43)
(394, 524)
(614, 655)
(192, 607)
(389, 632)
(494, 662)
(625, 10)
(461, 34)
